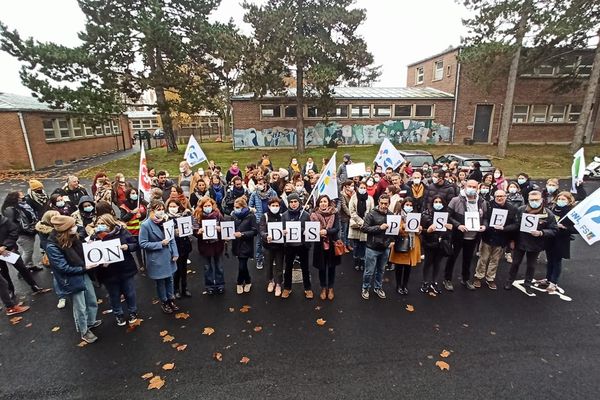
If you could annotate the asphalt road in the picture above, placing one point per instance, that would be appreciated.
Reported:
(503, 345)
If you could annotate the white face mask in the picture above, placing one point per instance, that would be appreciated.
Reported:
(370, 183)
(274, 209)
(173, 210)
(160, 214)
(299, 189)
(435, 179)
(362, 190)
(512, 190)
(416, 181)
(497, 175)
(73, 230)
(260, 187)
(182, 170)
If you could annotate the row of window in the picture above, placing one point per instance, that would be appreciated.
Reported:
(438, 72)
(580, 65)
(74, 128)
(542, 114)
(138, 124)
(353, 111)
(206, 122)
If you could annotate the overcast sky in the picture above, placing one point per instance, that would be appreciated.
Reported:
(397, 32)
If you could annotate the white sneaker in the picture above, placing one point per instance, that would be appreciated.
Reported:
(247, 288)
(61, 303)
(239, 289)
(277, 290)
(270, 287)
(551, 288)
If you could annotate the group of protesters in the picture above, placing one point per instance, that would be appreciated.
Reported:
(355, 223)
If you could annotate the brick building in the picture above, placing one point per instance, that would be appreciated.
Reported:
(362, 115)
(35, 136)
(539, 113)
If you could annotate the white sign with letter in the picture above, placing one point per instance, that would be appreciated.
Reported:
(393, 222)
(275, 230)
(499, 217)
(103, 252)
(472, 221)
(209, 229)
(413, 221)
(311, 231)
(227, 230)
(169, 228)
(440, 219)
(529, 222)
(10, 257)
(293, 232)
(184, 226)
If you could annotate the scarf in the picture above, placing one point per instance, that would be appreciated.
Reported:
(218, 193)
(295, 167)
(361, 204)
(326, 219)
(264, 194)
(418, 190)
(243, 213)
(234, 170)
(40, 198)
(294, 214)
(530, 210)
(237, 192)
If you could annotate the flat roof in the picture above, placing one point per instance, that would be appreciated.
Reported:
(373, 93)
(448, 50)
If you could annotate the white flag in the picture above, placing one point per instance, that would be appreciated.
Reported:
(144, 182)
(388, 155)
(193, 153)
(327, 183)
(586, 216)
(577, 169)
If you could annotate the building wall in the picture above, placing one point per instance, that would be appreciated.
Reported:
(45, 153)
(250, 130)
(448, 81)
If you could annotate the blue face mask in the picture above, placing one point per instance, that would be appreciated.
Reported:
(408, 209)
(133, 197)
(237, 210)
(438, 206)
(551, 189)
(207, 210)
(561, 203)
(521, 181)
(470, 191)
(60, 204)
(535, 203)
(88, 209)
(101, 228)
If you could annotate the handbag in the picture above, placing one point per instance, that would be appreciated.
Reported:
(339, 248)
(403, 244)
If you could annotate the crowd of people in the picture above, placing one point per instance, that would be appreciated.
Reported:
(355, 224)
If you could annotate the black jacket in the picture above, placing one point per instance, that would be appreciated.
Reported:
(432, 240)
(244, 245)
(547, 224)
(376, 237)
(127, 268)
(302, 216)
(445, 191)
(560, 245)
(264, 232)
(9, 233)
(495, 237)
(456, 213)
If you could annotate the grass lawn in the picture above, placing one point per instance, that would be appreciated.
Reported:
(540, 161)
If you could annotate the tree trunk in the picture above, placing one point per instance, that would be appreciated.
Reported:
(300, 108)
(588, 100)
(510, 86)
(163, 105)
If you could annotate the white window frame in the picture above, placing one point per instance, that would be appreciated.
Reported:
(523, 117)
(76, 125)
(337, 112)
(376, 110)
(553, 114)
(264, 107)
(362, 107)
(60, 130)
(538, 70)
(419, 75)
(448, 70)
(53, 122)
(438, 70)
(537, 117)
(573, 116)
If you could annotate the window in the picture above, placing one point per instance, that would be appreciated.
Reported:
(89, 130)
(63, 127)
(269, 111)
(419, 76)
(544, 70)
(313, 112)
(99, 131)
(538, 113)
(76, 124)
(574, 112)
(291, 111)
(557, 113)
(116, 127)
(448, 70)
(401, 110)
(340, 112)
(520, 114)
(382, 111)
(107, 129)
(49, 131)
(438, 70)
(423, 111)
(361, 111)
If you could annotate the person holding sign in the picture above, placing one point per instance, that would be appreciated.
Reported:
(118, 277)
(272, 236)
(133, 212)
(243, 245)
(177, 210)
(161, 255)
(360, 205)
(65, 252)
(466, 214)
(501, 223)
(207, 217)
(324, 258)
(295, 246)
(406, 251)
(437, 244)
(534, 240)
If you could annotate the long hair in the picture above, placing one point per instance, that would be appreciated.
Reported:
(108, 220)
(198, 213)
(11, 200)
(65, 239)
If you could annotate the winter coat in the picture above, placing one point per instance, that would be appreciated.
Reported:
(456, 214)
(561, 243)
(43, 231)
(302, 216)
(356, 220)
(121, 270)
(446, 191)
(67, 265)
(433, 240)
(376, 237)
(495, 237)
(344, 210)
(159, 258)
(418, 202)
(263, 229)
(133, 221)
(243, 246)
(547, 224)
(81, 217)
(213, 247)
(411, 257)
(255, 203)
(9, 233)
(326, 258)
(24, 219)
(515, 199)
(230, 198)
(74, 196)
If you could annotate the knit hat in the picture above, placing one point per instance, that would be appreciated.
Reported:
(62, 223)
(34, 184)
(293, 196)
(283, 173)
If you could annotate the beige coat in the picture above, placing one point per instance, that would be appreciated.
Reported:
(354, 232)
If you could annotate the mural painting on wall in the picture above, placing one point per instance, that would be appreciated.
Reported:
(398, 132)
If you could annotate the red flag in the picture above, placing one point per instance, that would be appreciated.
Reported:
(145, 184)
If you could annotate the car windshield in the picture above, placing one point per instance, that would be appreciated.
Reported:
(483, 163)
(419, 160)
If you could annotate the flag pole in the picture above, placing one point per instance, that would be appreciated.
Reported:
(323, 170)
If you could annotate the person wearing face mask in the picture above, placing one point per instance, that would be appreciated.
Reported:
(359, 206)
(426, 171)
(160, 254)
(485, 192)
(463, 238)
(301, 192)
(559, 247)
(216, 190)
(405, 261)
(118, 278)
(44, 228)
(258, 204)
(525, 184)
(436, 244)
(273, 252)
(72, 191)
(236, 191)
(377, 252)
(324, 258)
(86, 211)
(20, 213)
(416, 190)
(133, 212)
(185, 178)
(438, 187)
(184, 247)
(514, 196)
(119, 187)
(36, 197)
(344, 212)
(294, 167)
(531, 244)
(57, 203)
(104, 191)
(211, 250)
(65, 252)
(309, 166)
(371, 186)
(550, 193)
(243, 245)
(499, 182)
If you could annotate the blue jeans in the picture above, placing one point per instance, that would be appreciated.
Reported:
(358, 249)
(125, 287)
(164, 289)
(214, 275)
(85, 306)
(375, 261)
(344, 232)
(554, 266)
(259, 257)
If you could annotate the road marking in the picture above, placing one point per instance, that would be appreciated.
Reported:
(560, 292)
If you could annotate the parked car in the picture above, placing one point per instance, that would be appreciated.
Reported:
(465, 160)
(158, 134)
(142, 135)
(417, 157)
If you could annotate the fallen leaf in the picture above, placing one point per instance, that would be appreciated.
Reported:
(147, 375)
(492, 333)
(465, 325)
(257, 328)
(244, 360)
(134, 326)
(182, 315)
(28, 325)
(15, 320)
(156, 383)
(168, 338)
(244, 309)
(208, 331)
(56, 329)
(410, 308)
(83, 343)
(174, 345)
(442, 365)
(444, 353)
(231, 309)
(321, 322)
(218, 356)
(163, 333)
(168, 366)
(181, 347)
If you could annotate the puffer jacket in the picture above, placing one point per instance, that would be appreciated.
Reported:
(547, 224)
(244, 245)
(67, 265)
(81, 217)
(446, 191)
(255, 203)
(376, 237)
